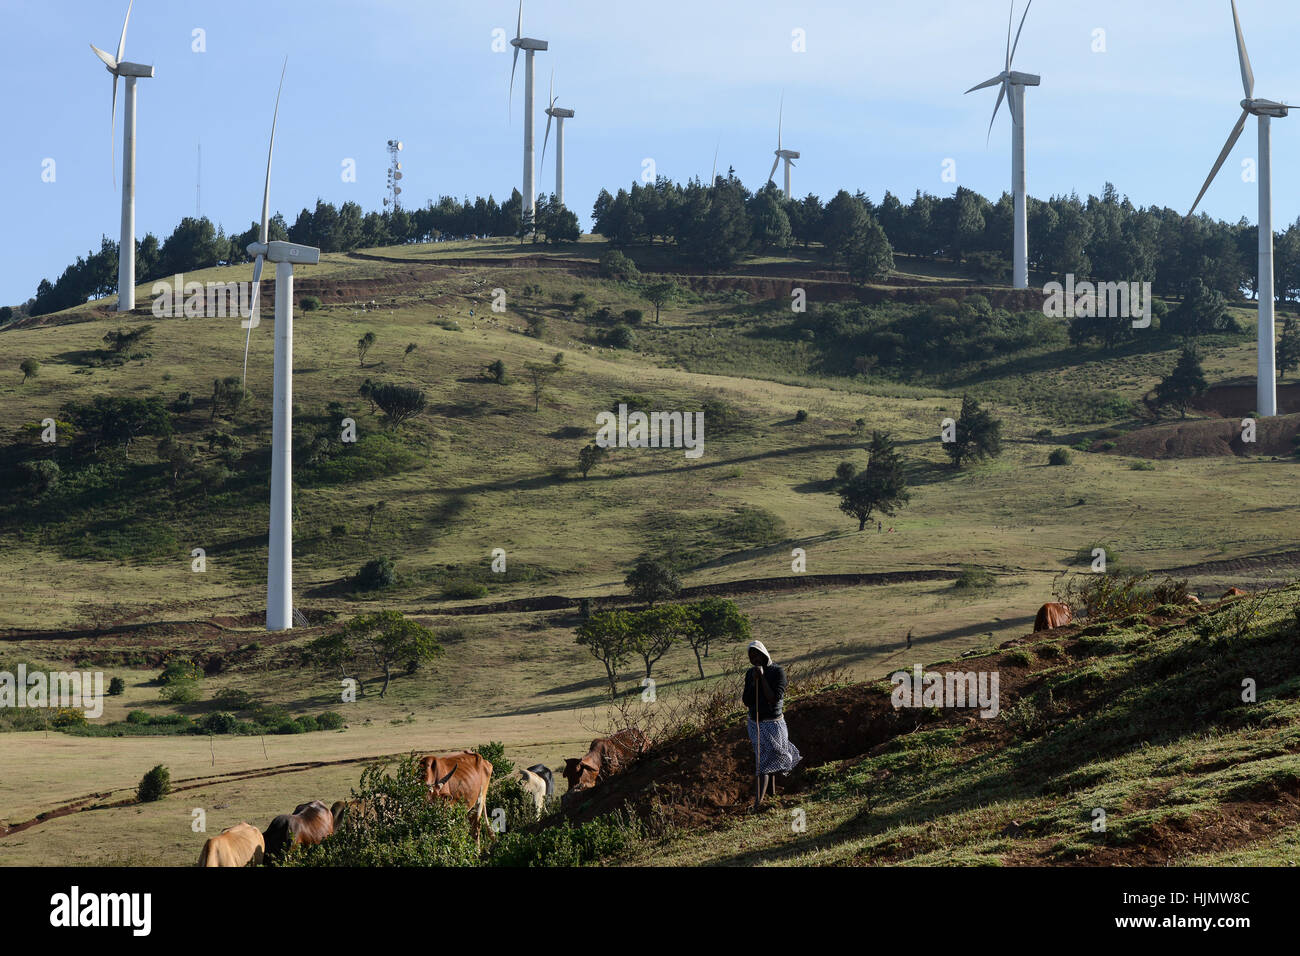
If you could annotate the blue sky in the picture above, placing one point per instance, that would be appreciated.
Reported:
(874, 103)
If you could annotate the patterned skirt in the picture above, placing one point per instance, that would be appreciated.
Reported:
(778, 754)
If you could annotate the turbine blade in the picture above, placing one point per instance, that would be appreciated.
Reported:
(775, 163)
(713, 177)
(519, 26)
(266, 190)
(121, 44)
(1010, 16)
(550, 96)
(1247, 74)
(780, 121)
(254, 307)
(996, 106)
(546, 139)
(106, 57)
(513, 64)
(112, 134)
(1018, 29)
(1000, 78)
(1223, 156)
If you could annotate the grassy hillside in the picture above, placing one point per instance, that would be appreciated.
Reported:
(101, 562)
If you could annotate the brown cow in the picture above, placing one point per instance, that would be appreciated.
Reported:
(607, 756)
(461, 778)
(1232, 593)
(340, 809)
(1051, 616)
(234, 846)
(310, 823)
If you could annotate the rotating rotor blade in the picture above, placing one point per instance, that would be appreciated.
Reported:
(713, 177)
(514, 63)
(112, 134)
(549, 117)
(780, 121)
(776, 162)
(264, 235)
(1218, 164)
(1018, 29)
(106, 57)
(1000, 78)
(996, 106)
(121, 44)
(1010, 16)
(1247, 74)
(254, 308)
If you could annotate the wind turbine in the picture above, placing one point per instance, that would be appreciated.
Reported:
(1265, 111)
(1013, 85)
(789, 155)
(279, 562)
(530, 46)
(126, 247)
(560, 115)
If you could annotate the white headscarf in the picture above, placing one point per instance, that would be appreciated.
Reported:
(758, 646)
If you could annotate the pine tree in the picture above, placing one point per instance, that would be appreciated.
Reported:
(1183, 384)
(1288, 349)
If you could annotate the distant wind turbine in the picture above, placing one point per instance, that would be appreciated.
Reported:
(279, 560)
(126, 247)
(559, 114)
(1264, 111)
(789, 155)
(529, 46)
(1013, 85)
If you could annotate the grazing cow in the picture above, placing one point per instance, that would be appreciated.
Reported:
(1051, 616)
(607, 756)
(462, 778)
(544, 772)
(310, 823)
(1232, 593)
(1191, 600)
(234, 846)
(348, 808)
(534, 785)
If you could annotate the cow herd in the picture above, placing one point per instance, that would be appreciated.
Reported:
(461, 777)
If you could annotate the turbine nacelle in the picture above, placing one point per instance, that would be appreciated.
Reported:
(280, 251)
(788, 153)
(560, 112)
(528, 43)
(1016, 78)
(1265, 108)
(133, 69)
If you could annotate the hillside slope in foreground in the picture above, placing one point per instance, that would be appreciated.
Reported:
(1167, 737)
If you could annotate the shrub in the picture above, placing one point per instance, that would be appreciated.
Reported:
(845, 471)
(376, 575)
(218, 723)
(307, 724)
(66, 717)
(329, 720)
(801, 415)
(616, 265)
(633, 316)
(1142, 465)
(463, 590)
(566, 845)
(972, 576)
(234, 699)
(181, 691)
(154, 785)
(620, 337)
(1060, 456)
(138, 717)
(510, 796)
(309, 303)
(406, 828)
(495, 752)
(116, 687)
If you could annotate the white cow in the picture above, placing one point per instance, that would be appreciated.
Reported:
(535, 785)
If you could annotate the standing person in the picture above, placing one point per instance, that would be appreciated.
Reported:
(764, 696)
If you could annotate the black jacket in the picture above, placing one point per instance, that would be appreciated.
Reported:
(773, 692)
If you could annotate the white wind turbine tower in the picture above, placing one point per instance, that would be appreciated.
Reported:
(126, 247)
(530, 46)
(1013, 85)
(1265, 111)
(559, 115)
(279, 562)
(789, 155)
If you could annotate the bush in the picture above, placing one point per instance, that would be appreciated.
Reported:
(66, 717)
(329, 720)
(1060, 456)
(218, 723)
(620, 337)
(154, 785)
(138, 717)
(616, 265)
(181, 691)
(307, 724)
(309, 303)
(510, 796)
(233, 699)
(845, 471)
(633, 316)
(801, 415)
(495, 752)
(404, 827)
(566, 845)
(116, 687)
(972, 576)
(376, 575)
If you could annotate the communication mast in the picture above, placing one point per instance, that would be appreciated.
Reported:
(392, 201)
